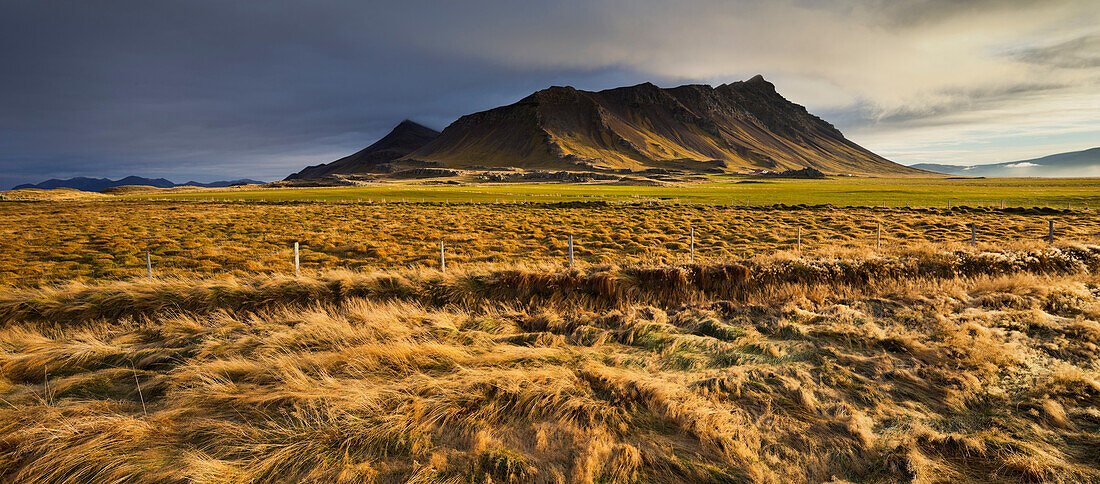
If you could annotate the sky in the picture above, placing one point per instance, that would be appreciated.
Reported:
(209, 89)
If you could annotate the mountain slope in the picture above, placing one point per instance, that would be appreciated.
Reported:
(738, 126)
(99, 184)
(1070, 164)
(402, 140)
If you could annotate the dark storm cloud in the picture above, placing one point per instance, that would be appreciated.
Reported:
(220, 89)
(214, 89)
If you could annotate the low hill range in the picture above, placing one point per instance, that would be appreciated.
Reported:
(743, 126)
(99, 184)
(1085, 163)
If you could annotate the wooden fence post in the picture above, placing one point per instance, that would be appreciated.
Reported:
(1051, 232)
(442, 257)
(297, 272)
(878, 237)
(799, 240)
(973, 235)
(692, 258)
(148, 264)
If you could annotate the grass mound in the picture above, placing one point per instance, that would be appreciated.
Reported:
(944, 367)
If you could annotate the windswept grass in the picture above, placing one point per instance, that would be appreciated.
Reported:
(927, 367)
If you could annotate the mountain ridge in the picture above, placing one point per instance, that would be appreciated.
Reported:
(1082, 163)
(741, 125)
(89, 184)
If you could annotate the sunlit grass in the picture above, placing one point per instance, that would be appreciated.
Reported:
(1014, 192)
(55, 241)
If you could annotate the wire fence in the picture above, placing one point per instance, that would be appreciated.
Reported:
(968, 238)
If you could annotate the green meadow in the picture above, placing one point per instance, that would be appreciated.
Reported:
(1079, 192)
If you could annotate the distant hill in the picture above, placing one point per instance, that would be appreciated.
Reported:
(99, 184)
(1071, 164)
(733, 127)
(405, 138)
(222, 183)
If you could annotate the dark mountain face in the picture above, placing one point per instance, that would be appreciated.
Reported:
(1084, 163)
(100, 184)
(404, 139)
(739, 126)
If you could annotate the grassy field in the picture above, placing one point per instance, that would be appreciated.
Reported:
(1015, 192)
(929, 367)
(49, 242)
(802, 344)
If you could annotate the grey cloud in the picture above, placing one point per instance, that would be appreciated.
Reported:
(212, 89)
(920, 13)
(184, 89)
(962, 99)
(1080, 53)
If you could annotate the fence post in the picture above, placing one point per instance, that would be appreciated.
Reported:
(692, 259)
(442, 257)
(1051, 233)
(973, 235)
(297, 272)
(799, 240)
(148, 264)
(570, 250)
(878, 237)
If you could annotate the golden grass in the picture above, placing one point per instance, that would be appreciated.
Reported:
(51, 242)
(919, 367)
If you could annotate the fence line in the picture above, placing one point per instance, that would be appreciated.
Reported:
(691, 254)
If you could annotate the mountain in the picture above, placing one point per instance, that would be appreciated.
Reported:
(99, 184)
(222, 183)
(402, 140)
(733, 127)
(1071, 164)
